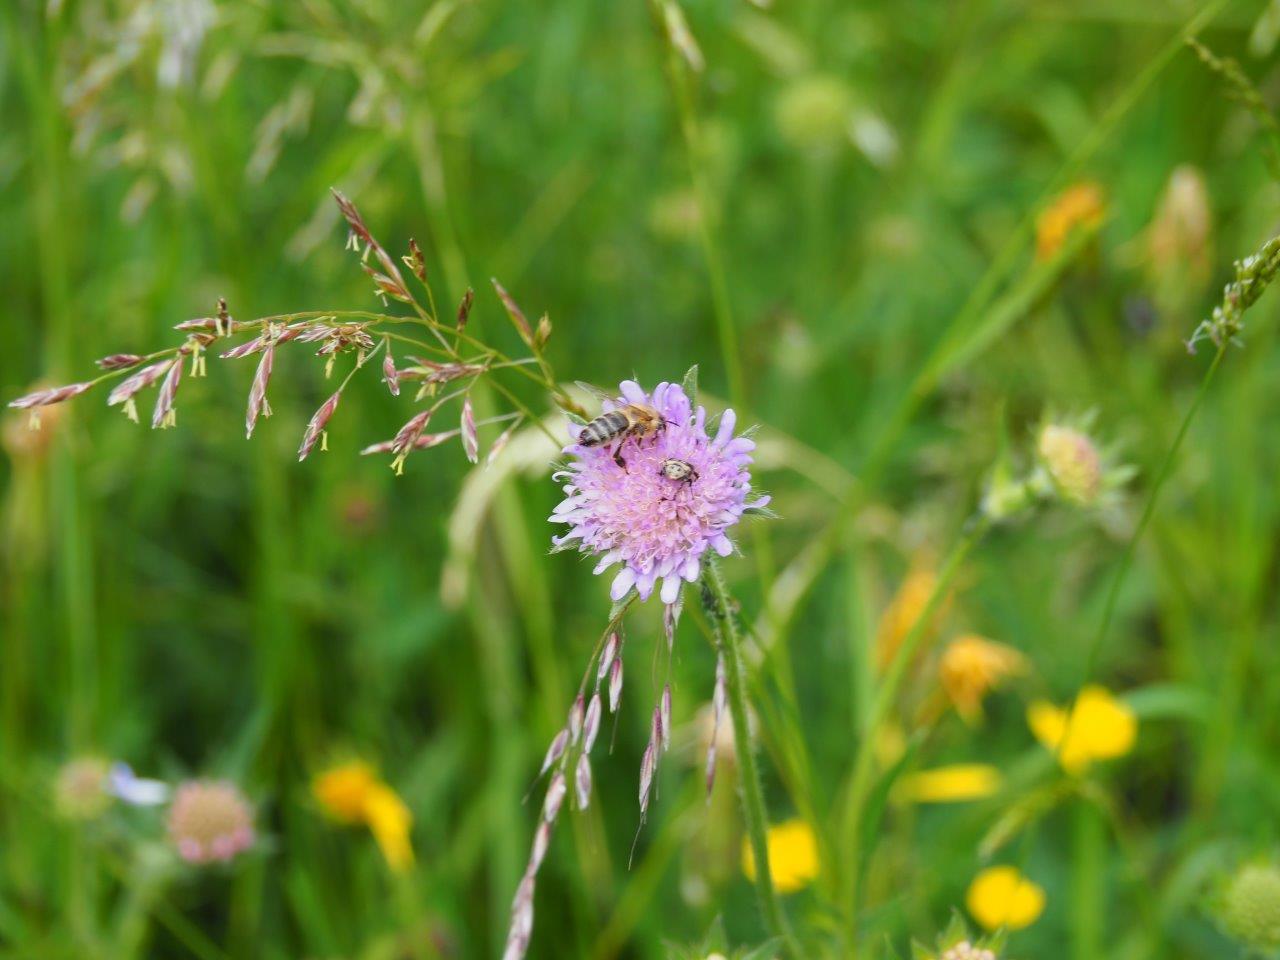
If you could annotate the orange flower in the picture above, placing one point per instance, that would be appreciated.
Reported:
(973, 666)
(353, 793)
(906, 607)
(1081, 205)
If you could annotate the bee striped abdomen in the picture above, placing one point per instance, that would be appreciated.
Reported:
(606, 427)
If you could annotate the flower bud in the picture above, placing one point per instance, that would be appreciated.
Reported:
(1073, 462)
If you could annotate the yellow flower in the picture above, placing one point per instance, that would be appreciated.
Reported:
(1101, 728)
(903, 611)
(1081, 205)
(344, 790)
(390, 820)
(793, 856)
(1002, 898)
(353, 793)
(951, 784)
(971, 667)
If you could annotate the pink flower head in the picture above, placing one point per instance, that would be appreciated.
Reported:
(638, 515)
(210, 820)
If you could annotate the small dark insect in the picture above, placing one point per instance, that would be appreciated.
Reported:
(680, 470)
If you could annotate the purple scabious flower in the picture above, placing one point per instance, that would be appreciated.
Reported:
(657, 527)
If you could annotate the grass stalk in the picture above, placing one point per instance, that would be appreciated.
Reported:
(729, 641)
(861, 779)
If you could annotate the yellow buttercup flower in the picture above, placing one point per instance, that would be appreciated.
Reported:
(1002, 898)
(973, 666)
(1081, 205)
(390, 820)
(950, 784)
(906, 607)
(793, 856)
(344, 790)
(1100, 728)
(353, 793)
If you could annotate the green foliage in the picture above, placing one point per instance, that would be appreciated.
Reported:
(838, 202)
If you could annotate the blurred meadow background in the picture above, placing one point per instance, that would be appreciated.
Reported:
(897, 235)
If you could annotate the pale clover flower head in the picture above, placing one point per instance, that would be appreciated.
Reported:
(1079, 469)
(635, 514)
(210, 820)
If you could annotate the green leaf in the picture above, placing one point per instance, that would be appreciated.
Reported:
(690, 385)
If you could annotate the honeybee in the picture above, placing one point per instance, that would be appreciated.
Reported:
(632, 420)
(680, 470)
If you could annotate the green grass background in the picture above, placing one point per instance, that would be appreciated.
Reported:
(198, 604)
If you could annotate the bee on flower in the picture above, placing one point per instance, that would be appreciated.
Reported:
(625, 507)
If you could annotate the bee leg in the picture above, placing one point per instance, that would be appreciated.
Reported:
(617, 457)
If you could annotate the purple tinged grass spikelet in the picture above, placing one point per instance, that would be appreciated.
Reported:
(501, 443)
(258, 405)
(591, 724)
(615, 684)
(658, 528)
(125, 390)
(555, 796)
(389, 375)
(118, 361)
(164, 415)
(316, 426)
(47, 397)
(555, 751)
(582, 781)
(575, 718)
(464, 308)
(606, 657)
(518, 319)
(470, 443)
(647, 764)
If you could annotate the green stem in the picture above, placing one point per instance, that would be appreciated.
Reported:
(729, 641)
(862, 778)
(721, 305)
(1166, 468)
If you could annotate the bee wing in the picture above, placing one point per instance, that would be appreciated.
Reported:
(598, 394)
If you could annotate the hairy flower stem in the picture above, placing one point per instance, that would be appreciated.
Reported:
(861, 781)
(729, 642)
